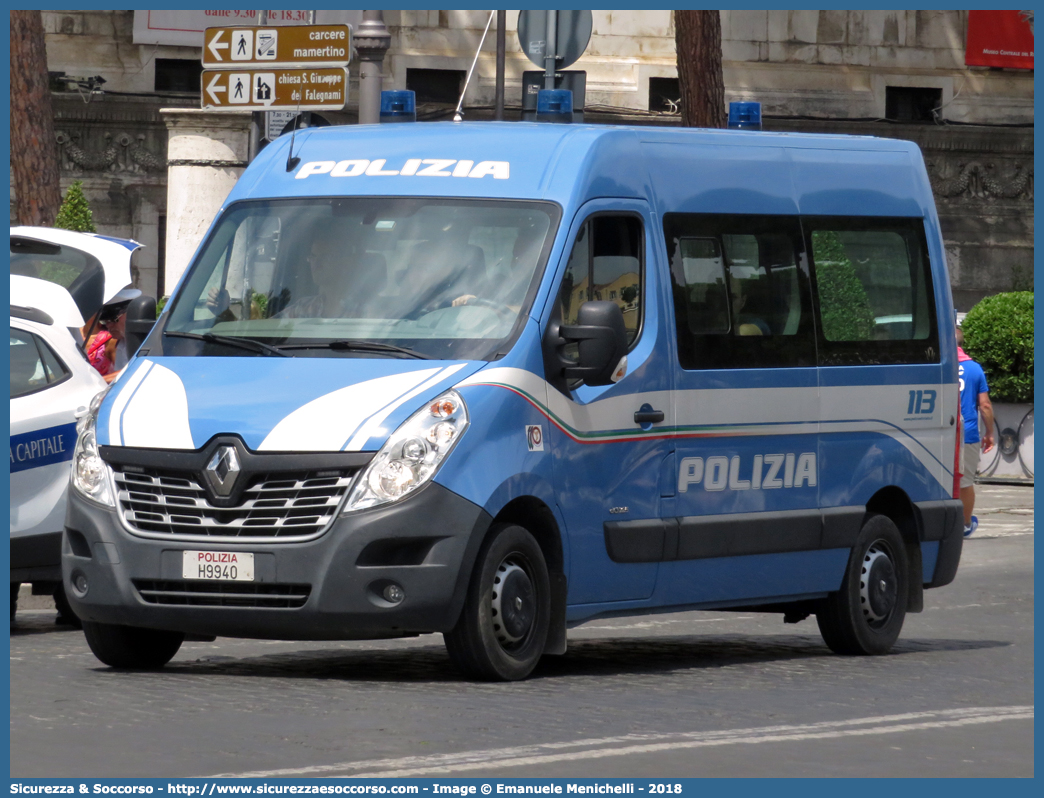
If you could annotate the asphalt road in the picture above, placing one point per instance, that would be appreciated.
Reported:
(687, 694)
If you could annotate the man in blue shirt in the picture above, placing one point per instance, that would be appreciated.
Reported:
(975, 401)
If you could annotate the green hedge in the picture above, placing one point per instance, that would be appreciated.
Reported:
(998, 333)
(843, 303)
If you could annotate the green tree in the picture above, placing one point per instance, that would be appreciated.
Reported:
(75, 214)
(998, 334)
(843, 302)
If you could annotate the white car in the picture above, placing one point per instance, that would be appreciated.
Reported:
(52, 384)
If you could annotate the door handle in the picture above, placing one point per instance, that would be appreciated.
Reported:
(646, 415)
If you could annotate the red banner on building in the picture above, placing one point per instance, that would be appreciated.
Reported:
(1000, 39)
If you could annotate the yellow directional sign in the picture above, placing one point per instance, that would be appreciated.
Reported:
(276, 89)
(284, 46)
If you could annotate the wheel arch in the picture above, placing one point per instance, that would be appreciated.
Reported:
(894, 503)
(534, 515)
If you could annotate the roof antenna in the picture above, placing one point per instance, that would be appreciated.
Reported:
(458, 116)
(291, 161)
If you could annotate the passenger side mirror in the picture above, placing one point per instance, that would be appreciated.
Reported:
(602, 340)
(141, 316)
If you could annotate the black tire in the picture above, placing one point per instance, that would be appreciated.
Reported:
(66, 616)
(131, 648)
(15, 587)
(867, 614)
(502, 629)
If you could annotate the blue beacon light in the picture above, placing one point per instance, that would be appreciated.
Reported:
(398, 106)
(554, 105)
(744, 116)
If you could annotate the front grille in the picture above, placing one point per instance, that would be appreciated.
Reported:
(273, 507)
(223, 594)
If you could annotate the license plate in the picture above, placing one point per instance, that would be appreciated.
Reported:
(220, 566)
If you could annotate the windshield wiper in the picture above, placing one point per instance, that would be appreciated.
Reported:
(359, 346)
(228, 340)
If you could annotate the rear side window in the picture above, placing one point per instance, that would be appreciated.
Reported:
(45, 261)
(34, 366)
(874, 291)
(741, 291)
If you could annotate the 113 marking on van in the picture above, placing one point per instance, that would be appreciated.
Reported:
(720, 472)
(419, 167)
(922, 403)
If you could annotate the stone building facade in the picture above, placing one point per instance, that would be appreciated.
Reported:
(817, 71)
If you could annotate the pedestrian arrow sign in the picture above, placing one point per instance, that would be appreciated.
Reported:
(285, 46)
(276, 89)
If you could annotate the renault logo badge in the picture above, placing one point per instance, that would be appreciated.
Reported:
(222, 470)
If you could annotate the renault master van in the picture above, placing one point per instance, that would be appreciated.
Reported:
(497, 380)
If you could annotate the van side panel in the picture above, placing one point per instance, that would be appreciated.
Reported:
(840, 182)
(704, 178)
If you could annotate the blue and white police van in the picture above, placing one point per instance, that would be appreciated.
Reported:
(497, 380)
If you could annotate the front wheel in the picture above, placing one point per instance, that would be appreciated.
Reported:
(502, 629)
(130, 647)
(867, 614)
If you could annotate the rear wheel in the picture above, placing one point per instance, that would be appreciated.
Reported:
(867, 614)
(503, 627)
(130, 647)
(15, 587)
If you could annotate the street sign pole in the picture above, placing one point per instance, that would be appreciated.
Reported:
(501, 50)
(371, 43)
(257, 118)
(550, 49)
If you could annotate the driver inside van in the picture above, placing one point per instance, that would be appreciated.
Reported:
(345, 281)
(445, 273)
(508, 288)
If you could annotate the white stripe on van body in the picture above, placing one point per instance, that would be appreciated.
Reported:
(127, 389)
(727, 412)
(326, 423)
(156, 415)
(372, 426)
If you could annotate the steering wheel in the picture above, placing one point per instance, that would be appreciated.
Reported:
(502, 310)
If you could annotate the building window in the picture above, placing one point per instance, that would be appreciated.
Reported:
(909, 104)
(664, 94)
(436, 85)
(178, 74)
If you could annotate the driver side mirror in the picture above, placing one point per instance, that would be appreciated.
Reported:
(601, 337)
(141, 316)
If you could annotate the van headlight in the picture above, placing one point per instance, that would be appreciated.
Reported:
(89, 472)
(412, 454)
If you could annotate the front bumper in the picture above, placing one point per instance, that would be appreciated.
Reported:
(426, 544)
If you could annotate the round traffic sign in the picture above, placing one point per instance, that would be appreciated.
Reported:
(573, 32)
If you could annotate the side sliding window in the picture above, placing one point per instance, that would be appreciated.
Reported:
(741, 291)
(873, 289)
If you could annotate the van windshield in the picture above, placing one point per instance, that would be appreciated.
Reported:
(445, 279)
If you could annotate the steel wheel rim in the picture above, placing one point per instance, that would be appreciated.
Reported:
(513, 605)
(878, 585)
